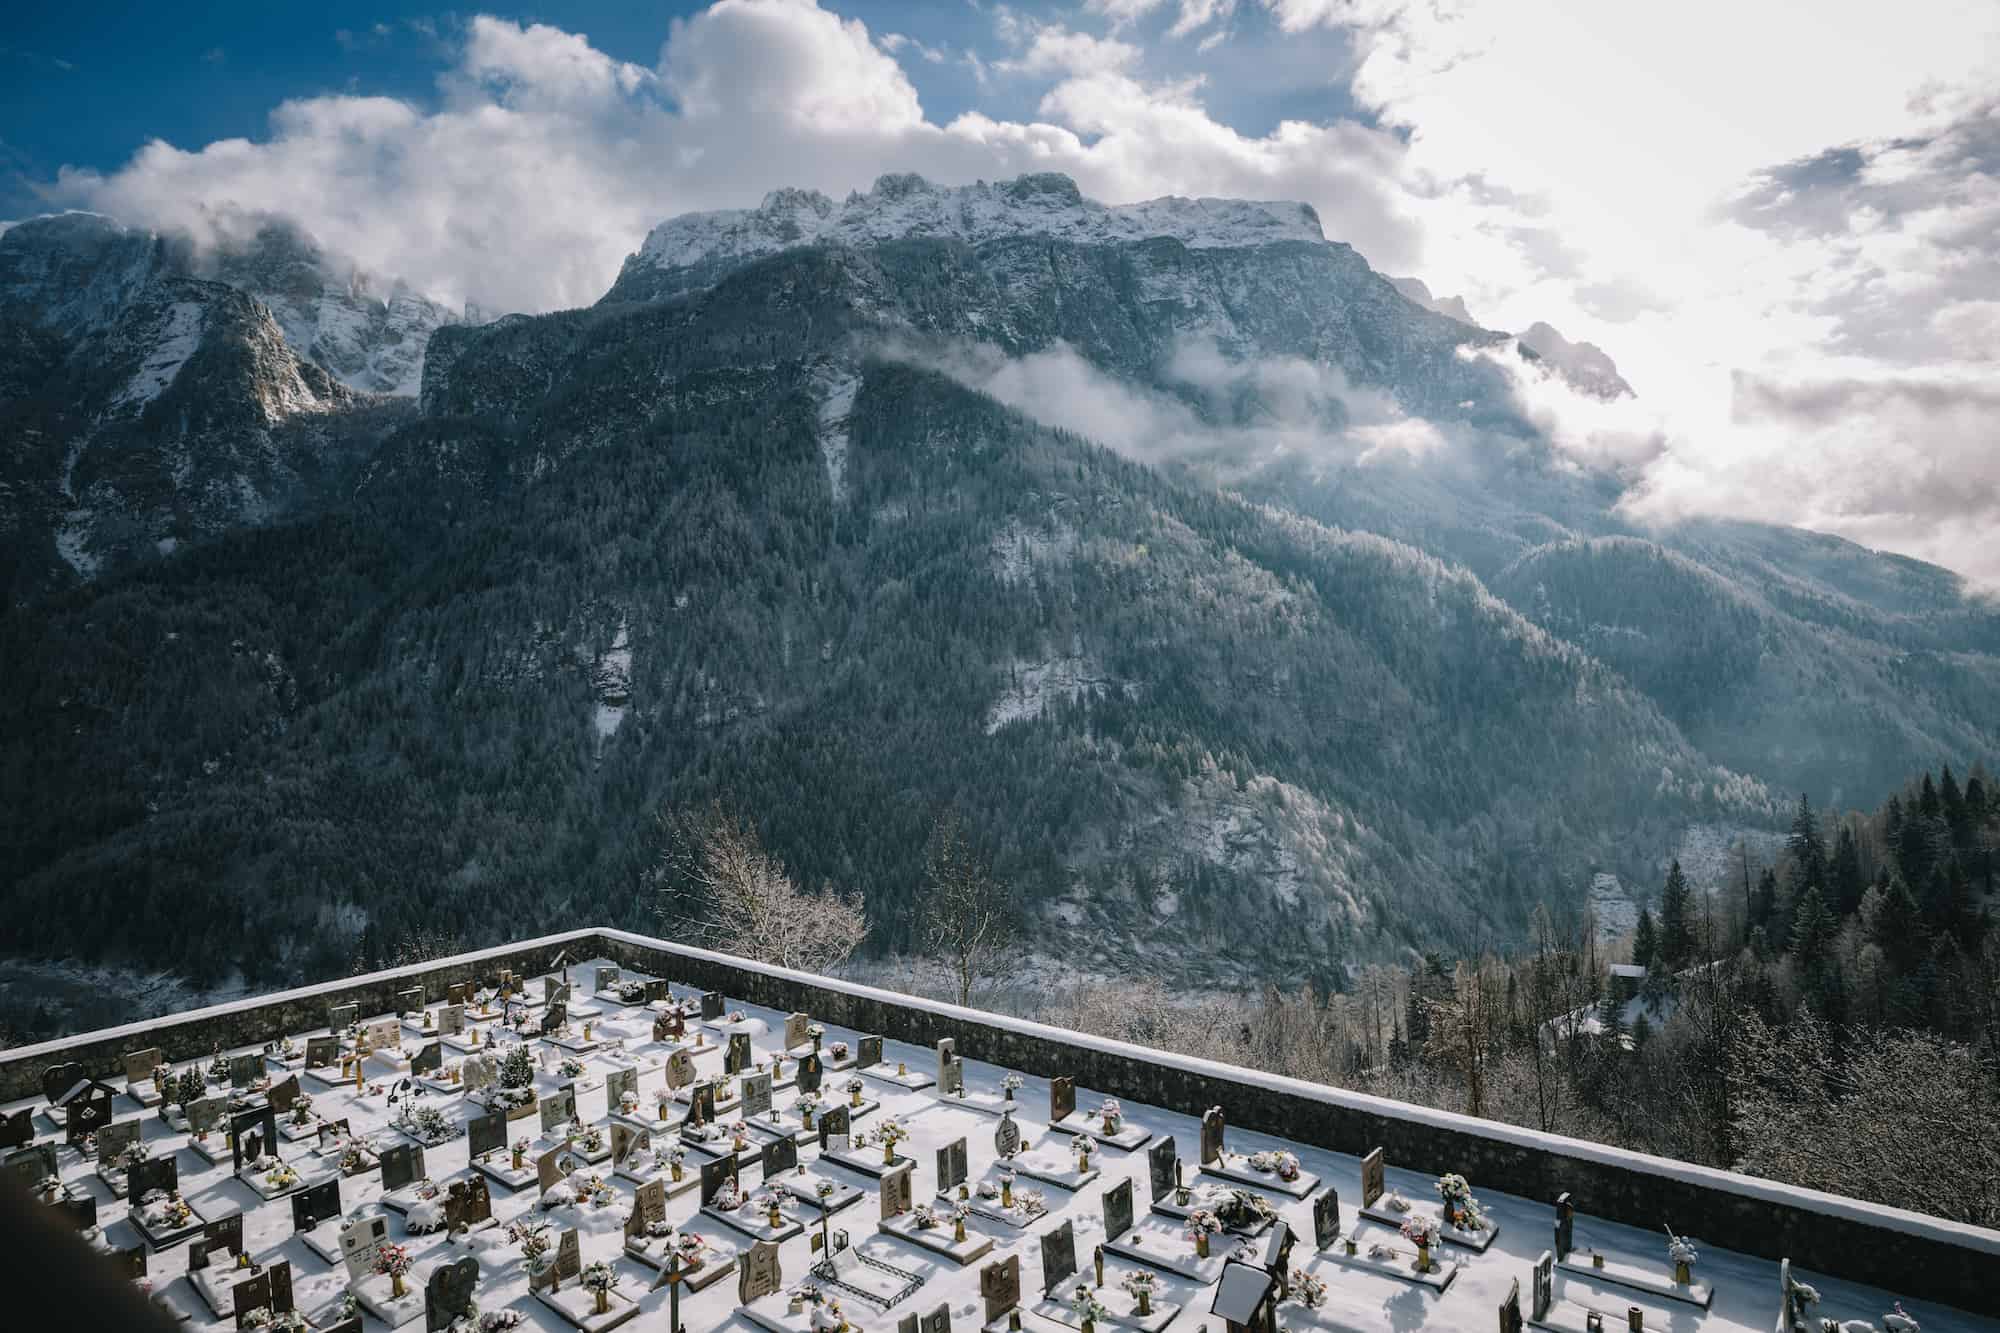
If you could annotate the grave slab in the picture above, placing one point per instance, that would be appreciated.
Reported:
(372, 1293)
(1157, 1242)
(579, 1307)
(938, 1239)
(1637, 1277)
(1478, 1241)
(755, 1222)
(1401, 1264)
(1236, 1167)
(1123, 1312)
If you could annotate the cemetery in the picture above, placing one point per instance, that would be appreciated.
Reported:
(727, 1146)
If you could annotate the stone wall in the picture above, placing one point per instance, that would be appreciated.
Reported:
(1916, 1256)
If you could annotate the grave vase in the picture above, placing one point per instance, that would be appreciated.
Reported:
(1423, 1258)
(1145, 1302)
(1006, 1194)
(1201, 1245)
(396, 1289)
(888, 1152)
(807, 1113)
(676, 1169)
(854, 1097)
(958, 1230)
(1089, 1325)
(1683, 1274)
(603, 1301)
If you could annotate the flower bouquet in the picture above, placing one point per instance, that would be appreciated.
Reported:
(735, 1016)
(890, 1133)
(393, 1262)
(1009, 1085)
(923, 1217)
(1308, 1289)
(598, 1279)
(1201, 1225)
(814, 1032)
(838, 1050)
(1681, 1251)
(1140, 1284)
(533, 1238)
(1421, 1232)
(807, 1106)
(571, 1067)
(280, 1177)
(1088, 1309)
(1461, 1210)
(1111, 1114)
(628, 1102)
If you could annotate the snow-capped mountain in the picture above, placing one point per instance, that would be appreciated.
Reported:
(1586, 367)
(367, 332)
(688, 250)
(146, 406)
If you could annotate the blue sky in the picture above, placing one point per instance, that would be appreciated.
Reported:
(87, 85)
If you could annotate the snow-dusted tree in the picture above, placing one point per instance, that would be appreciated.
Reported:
(967, 916)
(1465, 1027)
(716, 878)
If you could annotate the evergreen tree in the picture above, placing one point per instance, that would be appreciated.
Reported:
(1642, 1030)
(1676, 918)
(1899, 925)
(1764, 902)
(1813, 929)
(1953, 802)
(1644, 943)
(1844, 879)
(1808, 849)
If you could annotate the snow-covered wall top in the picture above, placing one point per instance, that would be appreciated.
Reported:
(902, 206)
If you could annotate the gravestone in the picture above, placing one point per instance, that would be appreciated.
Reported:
(551, 1167)
(1118, 1210)
(607, 978)
(284, 1094)
(280, 1274)
(937, 1321)
(204, 1115)
(624, 1142)
(759, 1274)
(86, 1115)
(448, 1294)
(907, 1324)
(1565, 1226)
(680, 1069)
(649, 1205)
(780, 1155)
(950, 1074)
(711, 1005)
(756, 1094)
(811, 1073)
(558, 1108)
(1545, 1287)
(428, 1060)
(657, 990)
(155, 1173)
(225, 1234)
(59, 1079)
(451, 1020)
(244, 1069)
(1062, 1098)
(361, 1238)
(867, 1052)
(669, 1026)
(1278, 1254)
(1211, 1135)
(322, 1052)
(1163, 1167)
(896, 1191)
(795, 1030)
(1000, 1287)
(410, 1001)
(316, 1204)
(554, 1018)
(114, 1139)
(402, 1165)
(833, 1129)
(1510, 1309)
(485, 1133)
(617, 1083)
(252, 1134)
(952, 1165)
(737, 1058)
(130, 1262)
(340, 1017)
(1326, 1219)
(1371, 1178)
(17, 1128)
(80, 1210)
(139, 1065)
(701, 1105)
(1058, 1257)
(1007, 1137)
(715, 1174)
(458, 992)
(467, 1203)
(569, 1255)
(252, 1293)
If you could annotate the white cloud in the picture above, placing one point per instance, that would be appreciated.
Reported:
(1055, 50)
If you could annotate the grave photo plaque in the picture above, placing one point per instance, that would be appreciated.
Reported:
(1058, 1257)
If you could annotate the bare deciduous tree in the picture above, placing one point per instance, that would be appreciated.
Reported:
(968, 916)
(716, 876)
(1466, 1026)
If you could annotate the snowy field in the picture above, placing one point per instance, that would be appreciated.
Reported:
(1360, 1300)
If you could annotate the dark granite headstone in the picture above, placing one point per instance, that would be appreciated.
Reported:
(284, 1094)
(58, 1079)
(1118, 1210)
(714, 1174)
(811, 1073)
(253, 1133)
(1163, 1162)
(402, 1164)
(1326, 1219)
(780, 1155)
(867, 1052)
(79, 1210)
(952, 1165)
(155, 1173)
(322, 1052)
(316, 1204)
(448, 1294)
(410, 1000)
(244, 1070)
(1058, 1257)
(1510, 1309)
(1062, 1098)
(1000, 1287)
(485, 1133)
(340, 1017)
(130, 1262)
(937, 1321)
(467, 1203)
(737, 1058)
(701, 1105)
(554, 1018)
(86, 1115)
(834, 1124)
(711, 1005)
(17, 1128)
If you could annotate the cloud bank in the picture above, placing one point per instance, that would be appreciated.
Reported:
(1758, 216)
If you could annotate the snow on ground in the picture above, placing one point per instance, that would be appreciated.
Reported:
(1033, 686)
(614, 683)
(1018, 549)
(1612, 907)
(71, 539)
(1710, 858)
(175, 342)
(1361, 1302)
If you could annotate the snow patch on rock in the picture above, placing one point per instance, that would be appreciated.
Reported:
(837, 402)
(179, 336)
(1033, 686)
